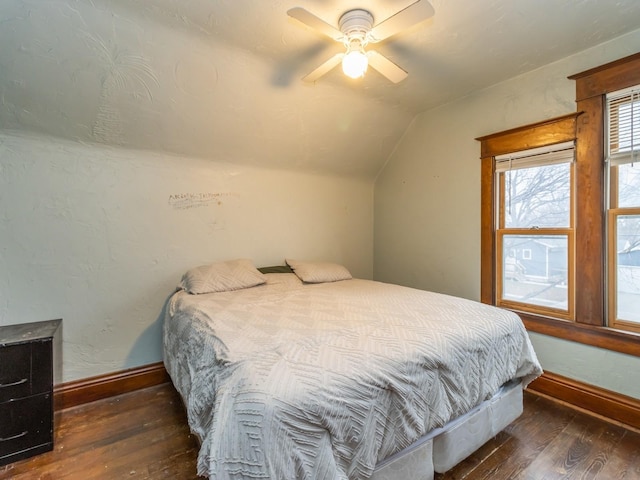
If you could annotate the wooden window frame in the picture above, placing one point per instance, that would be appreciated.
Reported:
(586, 126)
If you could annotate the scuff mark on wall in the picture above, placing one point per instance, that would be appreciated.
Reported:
(184, 201)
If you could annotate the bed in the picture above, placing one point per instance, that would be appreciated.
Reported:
(309, 373)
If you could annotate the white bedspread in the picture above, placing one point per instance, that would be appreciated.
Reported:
(295, 381)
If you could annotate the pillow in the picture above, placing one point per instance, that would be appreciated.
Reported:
(315, 272)
(286, 279)
(222, 277)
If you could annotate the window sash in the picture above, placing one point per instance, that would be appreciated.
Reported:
(614, 319)
(623, 147)
(502, 301)
(623, 126)
(567, 155)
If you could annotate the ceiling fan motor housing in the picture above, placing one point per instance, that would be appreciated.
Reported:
(356, 25)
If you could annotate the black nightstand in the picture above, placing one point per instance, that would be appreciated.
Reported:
(29, 360)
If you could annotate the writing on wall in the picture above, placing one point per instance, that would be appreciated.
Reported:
(183, 201)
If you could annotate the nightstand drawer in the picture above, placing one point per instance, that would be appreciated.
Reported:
(26, 424)
(24, 370)
(15, 371)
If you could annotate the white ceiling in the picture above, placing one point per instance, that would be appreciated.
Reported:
(220, 79)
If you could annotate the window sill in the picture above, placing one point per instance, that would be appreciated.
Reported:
(602, 337)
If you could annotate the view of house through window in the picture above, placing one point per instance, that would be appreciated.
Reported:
(534, 230)
(624, 207)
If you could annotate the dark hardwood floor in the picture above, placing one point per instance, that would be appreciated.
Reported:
(138, 435)
(551, 441)
(144, 435)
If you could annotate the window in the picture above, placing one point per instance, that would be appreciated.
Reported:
(534, 230)
(623, 222)
(604, 219)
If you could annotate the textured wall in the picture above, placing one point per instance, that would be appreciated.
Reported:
(100, 236)
(427, 199)
(170, 76)
(222, 79)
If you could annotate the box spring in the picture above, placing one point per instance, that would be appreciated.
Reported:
(443, 448)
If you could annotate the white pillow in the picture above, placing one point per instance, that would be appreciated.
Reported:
(318, 272)
(222, 277)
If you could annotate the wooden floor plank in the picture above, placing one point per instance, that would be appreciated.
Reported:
(624, 461)
(144, 435)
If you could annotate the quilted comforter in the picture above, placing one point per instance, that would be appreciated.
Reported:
(297, 381)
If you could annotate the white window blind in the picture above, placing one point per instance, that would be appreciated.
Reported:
(623, 117)
(536, 157)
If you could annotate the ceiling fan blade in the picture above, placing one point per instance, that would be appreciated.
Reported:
(408, 17)
(324, 68)
(314, 22)
(386, 67)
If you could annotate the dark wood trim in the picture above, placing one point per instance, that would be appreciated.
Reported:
(610, 77)
(605, 403)
(596, 336)
(487, 228)
(91, 389)
(590, 214)
(540, 134)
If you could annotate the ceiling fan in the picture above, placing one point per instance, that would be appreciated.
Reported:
(356, 30)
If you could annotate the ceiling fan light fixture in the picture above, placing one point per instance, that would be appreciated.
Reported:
(355, 63)
(356, 30)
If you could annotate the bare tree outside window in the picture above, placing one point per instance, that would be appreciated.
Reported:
(629, 185)
(537, 197)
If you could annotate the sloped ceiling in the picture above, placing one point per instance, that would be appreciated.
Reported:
(220, 79)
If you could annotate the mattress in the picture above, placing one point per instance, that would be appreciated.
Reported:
(326, 381)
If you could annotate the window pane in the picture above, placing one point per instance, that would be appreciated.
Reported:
(534, 270)
(628, 268)
(629, 185)
(537, 197)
